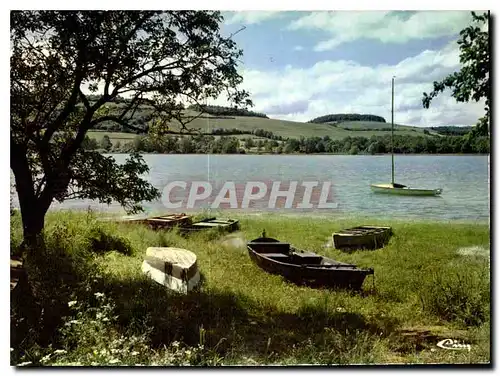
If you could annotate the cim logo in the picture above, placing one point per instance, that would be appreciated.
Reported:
(264, 195)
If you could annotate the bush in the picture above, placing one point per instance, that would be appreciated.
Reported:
(460, 295)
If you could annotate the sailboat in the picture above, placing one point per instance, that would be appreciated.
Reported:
(395, 188)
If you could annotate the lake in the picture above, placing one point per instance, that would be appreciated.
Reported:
(464, 179)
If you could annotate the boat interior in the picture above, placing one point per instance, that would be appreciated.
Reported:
(282, 252)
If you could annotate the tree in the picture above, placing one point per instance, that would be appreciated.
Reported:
(162, 59)
(186, 145)
(249, 143)
(472, 82)
(106, 143)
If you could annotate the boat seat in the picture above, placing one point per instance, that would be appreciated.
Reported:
(276, 255)
(307, 258)
(265, 247)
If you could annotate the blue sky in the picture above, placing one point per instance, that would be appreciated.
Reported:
(300, 65)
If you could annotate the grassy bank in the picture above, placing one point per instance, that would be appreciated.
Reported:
(426, 287)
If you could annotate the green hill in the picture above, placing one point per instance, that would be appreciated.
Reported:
(228, 119)
(294, 129)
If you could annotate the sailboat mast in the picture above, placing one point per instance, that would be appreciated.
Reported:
(392, 130)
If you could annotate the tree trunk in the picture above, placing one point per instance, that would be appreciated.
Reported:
(33, 208)
(33, 223)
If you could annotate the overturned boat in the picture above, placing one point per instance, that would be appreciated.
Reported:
(303, 267)
(174, 268)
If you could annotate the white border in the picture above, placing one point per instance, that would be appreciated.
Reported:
(190, 4)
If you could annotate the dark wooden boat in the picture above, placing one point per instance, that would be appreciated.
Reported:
(304, 267)
(225, 225)
(169, 221)
(362, 237)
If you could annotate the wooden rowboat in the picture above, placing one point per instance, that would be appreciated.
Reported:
(362, 237)
(226, 225)
(163, 222)
(303, 267)
(169, 221)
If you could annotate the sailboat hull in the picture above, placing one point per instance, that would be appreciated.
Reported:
(405, 191)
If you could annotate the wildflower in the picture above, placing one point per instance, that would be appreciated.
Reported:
(175, 344)
(99, 295)
(45, 358)
(72, 303)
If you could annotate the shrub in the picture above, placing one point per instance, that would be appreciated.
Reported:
(460, 295)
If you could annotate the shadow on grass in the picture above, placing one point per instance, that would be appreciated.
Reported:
(236, 326)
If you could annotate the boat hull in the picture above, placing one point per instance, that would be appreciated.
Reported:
(362, 237)
(305, 268)
(388, 189)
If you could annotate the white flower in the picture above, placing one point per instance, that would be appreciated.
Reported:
(99, 295)
(72, 303)
(175, 344)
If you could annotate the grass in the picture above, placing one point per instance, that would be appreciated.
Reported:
(423, 291)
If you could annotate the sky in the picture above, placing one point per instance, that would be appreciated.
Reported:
(300, 65)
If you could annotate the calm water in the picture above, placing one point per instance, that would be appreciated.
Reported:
(464, 179)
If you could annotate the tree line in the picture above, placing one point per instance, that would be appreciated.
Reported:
(346, 117)
(209, 144)
(226, 111)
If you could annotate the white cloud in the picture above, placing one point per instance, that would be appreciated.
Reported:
(346, 86)
(298, 48)
(384, 26)
(251, 17)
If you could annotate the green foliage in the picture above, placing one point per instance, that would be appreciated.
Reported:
(451, 130)
(106, 143)
(472, 82)
(226, 111)
(460, 295)
(346, 117)
(249, 143)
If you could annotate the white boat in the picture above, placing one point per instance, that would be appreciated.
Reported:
(395, 188)
(174, 268)
(399, 189)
